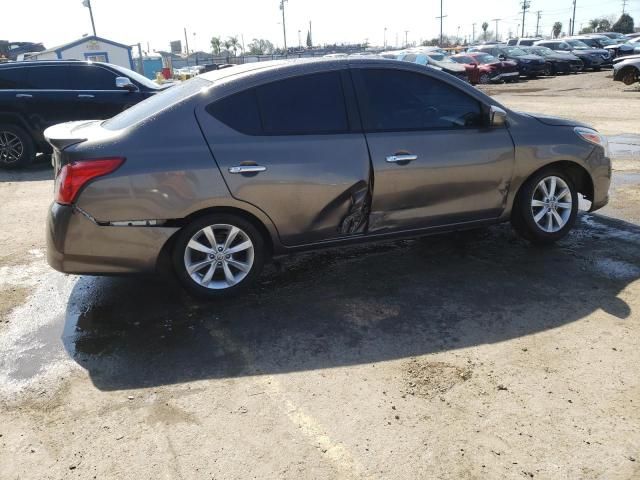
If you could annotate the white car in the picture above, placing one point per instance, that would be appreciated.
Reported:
(627, 69)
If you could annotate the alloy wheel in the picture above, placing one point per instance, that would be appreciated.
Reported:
(219, 256)
(551, 204)
(11, 147)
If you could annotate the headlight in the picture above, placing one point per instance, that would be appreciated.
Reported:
(592, 136)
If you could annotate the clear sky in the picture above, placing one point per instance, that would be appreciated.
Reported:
(54, 22)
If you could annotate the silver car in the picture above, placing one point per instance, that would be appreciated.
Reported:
(226, 170)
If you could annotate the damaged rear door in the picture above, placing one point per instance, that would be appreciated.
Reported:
(293, 148)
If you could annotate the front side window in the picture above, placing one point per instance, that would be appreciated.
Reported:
(396, 100)
(91, 77)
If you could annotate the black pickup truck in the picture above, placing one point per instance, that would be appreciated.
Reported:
(35, 95)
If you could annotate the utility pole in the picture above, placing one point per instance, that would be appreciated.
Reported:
(406, 37)
(186, 44)
(284, 28)
(87, 3)
(572, 23)
(538, 22)
(526, 4)
(310, 34)
(473, 35)
(441, 17)
(496, 20)
(385, 38)
(624, 6)
(458, 35)
(299, 40)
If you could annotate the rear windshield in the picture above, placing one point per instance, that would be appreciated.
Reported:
(158, 102)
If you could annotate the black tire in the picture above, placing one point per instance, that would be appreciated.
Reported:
(9, 134)
(180, 253)
(522, 215)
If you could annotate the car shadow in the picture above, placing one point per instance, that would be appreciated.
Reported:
(39, 170)
(351, 306)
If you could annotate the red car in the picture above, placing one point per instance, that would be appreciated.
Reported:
(484, 68)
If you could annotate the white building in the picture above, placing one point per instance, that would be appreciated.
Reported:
(92, 48)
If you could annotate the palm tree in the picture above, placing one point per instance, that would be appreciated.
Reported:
(557, 28)
(216, 45)
(233, 44)
(485, 25)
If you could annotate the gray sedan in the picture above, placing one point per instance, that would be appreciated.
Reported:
(218, 174)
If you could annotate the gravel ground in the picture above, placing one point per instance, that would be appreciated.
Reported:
(459, 356)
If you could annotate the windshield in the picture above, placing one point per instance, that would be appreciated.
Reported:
(544, 51)
(577, 44)
(515, 51)
(463, 59)
(156, 103)
(606, 41)
(486, 58)
(136, 76)
(439, 57)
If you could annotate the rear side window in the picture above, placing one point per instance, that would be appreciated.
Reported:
(306, 105)
(397, 100)
(239, 111)
(92, 77)
(310, 104)
(11, 78)
(48, 78)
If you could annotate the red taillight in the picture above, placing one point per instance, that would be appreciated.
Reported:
(74, 175)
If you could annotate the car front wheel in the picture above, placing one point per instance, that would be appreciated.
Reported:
(546, 207)
(16, 147)
(218, 255)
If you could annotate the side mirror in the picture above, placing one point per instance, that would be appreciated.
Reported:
(497, 116)
(126, 84)
(502, 57)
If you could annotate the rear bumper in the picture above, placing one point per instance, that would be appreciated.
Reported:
(76, 244)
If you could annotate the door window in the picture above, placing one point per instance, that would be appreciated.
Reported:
(92, 77)
(11, 78)
(396, 100)
(49, 77)
(306, 105)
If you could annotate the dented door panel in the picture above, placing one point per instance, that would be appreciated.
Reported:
(458, 176)
(314, 187)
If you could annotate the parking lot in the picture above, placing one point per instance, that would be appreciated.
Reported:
(467, 355)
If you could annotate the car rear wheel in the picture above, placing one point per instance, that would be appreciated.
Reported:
(546, 207)
(629, 76)
(218, 255)
(16, 147)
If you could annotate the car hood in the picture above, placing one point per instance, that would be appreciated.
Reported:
(527, 57)
(555, 121)
(561, 56)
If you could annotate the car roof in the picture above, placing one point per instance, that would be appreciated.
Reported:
(31, 63)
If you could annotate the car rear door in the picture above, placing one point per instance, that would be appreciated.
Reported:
(435, 159)
(293, 148)
(48, 98)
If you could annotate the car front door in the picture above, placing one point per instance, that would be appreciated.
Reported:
(435, 158)
(292, 148)
(96, 93)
